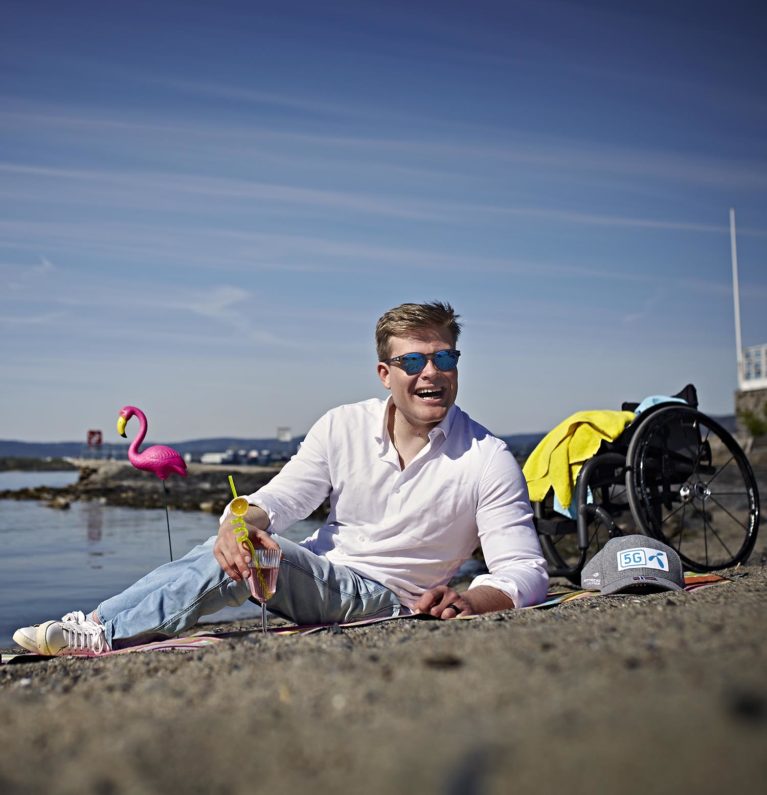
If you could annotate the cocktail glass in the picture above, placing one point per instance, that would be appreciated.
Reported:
(264, 568)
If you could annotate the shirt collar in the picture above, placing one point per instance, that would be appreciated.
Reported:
(383, 436)
(446, 424)
(442, 428)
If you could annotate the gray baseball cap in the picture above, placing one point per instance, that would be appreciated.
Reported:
(633, 563)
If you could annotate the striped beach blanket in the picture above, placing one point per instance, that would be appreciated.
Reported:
(202, 640)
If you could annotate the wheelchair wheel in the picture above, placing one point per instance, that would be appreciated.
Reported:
(563, 555)
(690, 485)
(601, 497)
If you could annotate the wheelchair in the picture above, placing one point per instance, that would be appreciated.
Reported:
(673, 474)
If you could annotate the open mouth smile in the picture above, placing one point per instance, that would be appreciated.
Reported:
(430, 394)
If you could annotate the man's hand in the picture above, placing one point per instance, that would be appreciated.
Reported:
(443, 602)
(231, 554)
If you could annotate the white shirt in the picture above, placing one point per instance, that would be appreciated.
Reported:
(410, 529)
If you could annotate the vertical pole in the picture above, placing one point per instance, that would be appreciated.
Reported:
(736, 297)
(167, 519)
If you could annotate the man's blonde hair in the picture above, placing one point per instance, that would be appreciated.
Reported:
(411, 320)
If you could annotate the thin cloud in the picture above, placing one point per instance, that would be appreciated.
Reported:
(41, 319)
(21, 275)
(455, 142)
(592, 219)
(148, 187)
(158, 183)
(645, 310)
(246, 251)
(223, 304)
(239, 94)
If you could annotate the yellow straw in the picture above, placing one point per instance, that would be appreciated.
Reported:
(253, 557)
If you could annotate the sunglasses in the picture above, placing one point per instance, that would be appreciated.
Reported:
(414, 363)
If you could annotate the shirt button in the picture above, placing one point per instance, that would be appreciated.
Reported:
(360, 537)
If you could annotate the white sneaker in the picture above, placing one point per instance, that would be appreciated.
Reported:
(74, 634)
(26, 637)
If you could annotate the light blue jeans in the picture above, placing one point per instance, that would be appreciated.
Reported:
(310, 590)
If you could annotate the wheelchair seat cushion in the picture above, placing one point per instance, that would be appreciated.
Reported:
(654, 400)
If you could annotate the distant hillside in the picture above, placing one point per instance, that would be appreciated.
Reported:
(16, 449)
(521, 444)
(19, 449)
(728, 422)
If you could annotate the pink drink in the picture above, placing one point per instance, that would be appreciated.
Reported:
(263, 582)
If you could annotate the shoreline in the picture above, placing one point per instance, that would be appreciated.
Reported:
(205, 488)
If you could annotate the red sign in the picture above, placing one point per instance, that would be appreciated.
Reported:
(95, 438)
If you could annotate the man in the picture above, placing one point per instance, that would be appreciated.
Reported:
(414, 486)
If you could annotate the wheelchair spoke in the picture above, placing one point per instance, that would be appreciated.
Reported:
(734, 518)
(673, 513)
(705, 533)
(707, 525)
(705, 537)
(682, 527)
(720, 470)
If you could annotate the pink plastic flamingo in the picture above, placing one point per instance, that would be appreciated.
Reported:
(158, 458)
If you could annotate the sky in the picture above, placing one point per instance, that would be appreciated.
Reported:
(205, 207)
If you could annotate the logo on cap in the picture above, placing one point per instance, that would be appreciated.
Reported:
(642, 558)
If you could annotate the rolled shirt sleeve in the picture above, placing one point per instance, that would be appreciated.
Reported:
(507, 534)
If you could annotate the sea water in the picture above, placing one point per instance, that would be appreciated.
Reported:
(55, 561)
(15, 479)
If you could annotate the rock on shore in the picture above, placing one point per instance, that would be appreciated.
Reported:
(118, 483)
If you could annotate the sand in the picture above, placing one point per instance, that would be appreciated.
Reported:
(656, 693)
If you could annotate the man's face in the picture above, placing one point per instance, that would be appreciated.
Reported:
(423, 399)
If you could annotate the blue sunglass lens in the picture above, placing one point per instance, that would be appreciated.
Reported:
(446, 360)
(413, 363)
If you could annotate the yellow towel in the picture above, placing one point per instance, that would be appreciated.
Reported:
(559, 456)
